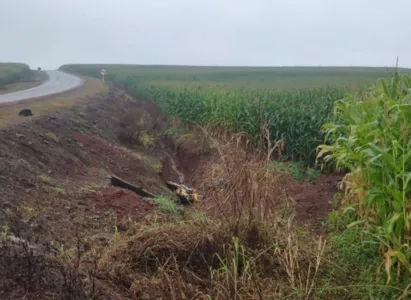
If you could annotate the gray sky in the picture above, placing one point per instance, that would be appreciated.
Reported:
(49, 33)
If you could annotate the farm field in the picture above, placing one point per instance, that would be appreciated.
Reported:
(358, 118)
(17, 76)
(267, 224)
(293, 102)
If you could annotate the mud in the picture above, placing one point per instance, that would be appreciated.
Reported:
(122, 202)
(314, 200)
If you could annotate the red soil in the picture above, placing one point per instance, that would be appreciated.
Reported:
(122, 202)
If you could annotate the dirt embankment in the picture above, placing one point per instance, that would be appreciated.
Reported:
(54, 169)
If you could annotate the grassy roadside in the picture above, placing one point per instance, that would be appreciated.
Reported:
(37, 78)
(11, 73)
(42, 106)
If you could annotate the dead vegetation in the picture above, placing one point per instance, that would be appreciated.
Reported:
(244, 250)
(240, 242)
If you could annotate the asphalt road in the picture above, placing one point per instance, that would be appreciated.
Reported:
(57, 82)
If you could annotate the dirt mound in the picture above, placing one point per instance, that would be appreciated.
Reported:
(122, 202)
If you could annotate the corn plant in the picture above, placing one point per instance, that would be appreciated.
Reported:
(371, 136)
(295, 116)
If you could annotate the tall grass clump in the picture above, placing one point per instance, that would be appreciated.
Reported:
(241, 250)
(370, 136)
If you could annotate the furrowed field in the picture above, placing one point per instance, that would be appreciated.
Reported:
(293, 102)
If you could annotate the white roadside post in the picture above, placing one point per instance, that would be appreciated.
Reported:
(103, 72)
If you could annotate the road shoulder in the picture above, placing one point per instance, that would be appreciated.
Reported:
(9, 112)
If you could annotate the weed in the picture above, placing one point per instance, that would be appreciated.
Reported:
(312, 174)
(146, 139)
(28, 212)
(114, 219)
(167, 205)
(173, 132)
(103, 172)
(62, 252)
(357, 260)
(88, 188)
(52, 137)
(295, 169)
(45, 179)
(234, 269)
(4, 232)
(58, 191)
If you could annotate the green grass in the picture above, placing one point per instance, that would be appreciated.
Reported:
(294, 102)
(167, 205)
(356, 262)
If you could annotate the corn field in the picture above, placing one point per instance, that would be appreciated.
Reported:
(294, 116)
(243, 99)
(371, 136)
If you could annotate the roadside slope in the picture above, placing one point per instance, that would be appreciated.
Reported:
(48, 167)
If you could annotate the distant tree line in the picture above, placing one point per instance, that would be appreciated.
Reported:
(14, 74)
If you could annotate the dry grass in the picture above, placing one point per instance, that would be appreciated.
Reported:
(204, 260)
(48, 105)
(240, 183)
(246, 248)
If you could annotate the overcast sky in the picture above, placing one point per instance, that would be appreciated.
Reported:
(49, 33)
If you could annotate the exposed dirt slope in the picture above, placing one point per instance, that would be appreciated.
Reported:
(50, 167)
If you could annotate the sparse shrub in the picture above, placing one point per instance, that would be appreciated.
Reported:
(27, 211)
(146, 139)
(57, 190)
(52, 137)
(45, 179)
(173, 132)
(312, 174)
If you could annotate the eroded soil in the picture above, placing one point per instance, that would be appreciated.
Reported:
(48, 167)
